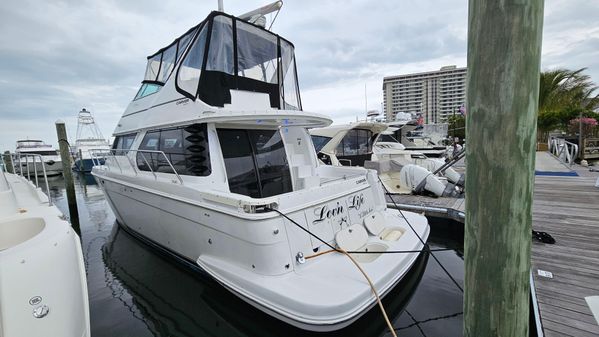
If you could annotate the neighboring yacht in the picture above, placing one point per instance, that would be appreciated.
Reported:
(29, 150)
(409, 133)
(89, 137)
(367, 144)
(43, 289)
(212, 163)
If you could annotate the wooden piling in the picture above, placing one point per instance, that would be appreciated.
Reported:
(8, 162)
(504, 51)
(69, 185)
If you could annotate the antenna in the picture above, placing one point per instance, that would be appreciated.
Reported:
(220, 6)
(365, 100)
(257, 15)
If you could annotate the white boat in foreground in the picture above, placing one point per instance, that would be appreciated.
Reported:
(43, 290)
(27, 151)
(212, 162)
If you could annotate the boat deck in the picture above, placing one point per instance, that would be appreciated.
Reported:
(567, 207)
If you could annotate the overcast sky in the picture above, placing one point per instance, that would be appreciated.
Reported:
(59, 56)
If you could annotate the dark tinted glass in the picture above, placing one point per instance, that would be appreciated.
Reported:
(320, 142)
(350, 143)
(271, 159)
(239, 162)
(123, 143)
(127, 141)
(185, 147)
(147, 161)
(43, 153)
(355, 142)
(387, 139)
(364, 142)
(171, 143)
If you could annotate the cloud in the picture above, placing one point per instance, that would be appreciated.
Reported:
(59, 56)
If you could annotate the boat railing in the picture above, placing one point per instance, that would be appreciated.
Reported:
(24, 160)
(564, 150)
(108, 157)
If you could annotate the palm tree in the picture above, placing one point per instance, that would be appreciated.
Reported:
(565, 94)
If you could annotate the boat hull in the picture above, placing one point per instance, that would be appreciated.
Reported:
(85, 165)
(53, 168)
(43, 288)
(246, 262)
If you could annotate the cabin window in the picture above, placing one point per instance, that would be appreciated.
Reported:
(147, 89)
(387, 139)
(168, 63)
(123, 143)
(188, 74)
(186, 148)
(153, 68)
(356, 142)
(42, 153)
(257, 57)
(255, 161)
(220, 57)
(290, 93)
(319, 142)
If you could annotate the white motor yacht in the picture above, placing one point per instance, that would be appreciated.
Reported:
(410, 133)
(212, 162)
(43, 289)
(387, 147)
(28, 150)
(89, 137)
(367, 144)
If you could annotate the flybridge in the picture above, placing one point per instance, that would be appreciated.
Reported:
(225, 53)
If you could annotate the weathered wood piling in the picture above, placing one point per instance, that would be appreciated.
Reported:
(504, 52)
(69, 185)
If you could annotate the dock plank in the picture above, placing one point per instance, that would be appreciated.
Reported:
(568, 209)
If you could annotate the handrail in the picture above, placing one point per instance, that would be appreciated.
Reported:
(564, 150)
(98, 154)
(17, 157)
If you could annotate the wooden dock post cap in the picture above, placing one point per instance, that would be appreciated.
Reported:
(59, 121)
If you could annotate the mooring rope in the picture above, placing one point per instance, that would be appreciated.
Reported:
(339, 250)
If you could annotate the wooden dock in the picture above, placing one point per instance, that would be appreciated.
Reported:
(568, 209)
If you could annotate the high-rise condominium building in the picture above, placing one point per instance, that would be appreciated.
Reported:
(434, 94)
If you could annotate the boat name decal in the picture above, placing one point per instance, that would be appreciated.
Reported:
(324, 212)
(363, 180)
(355, 201)
(365, 212)
(183, 101)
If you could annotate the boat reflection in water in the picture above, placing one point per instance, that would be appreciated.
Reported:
(173, 300)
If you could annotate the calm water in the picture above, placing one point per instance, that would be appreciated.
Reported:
(135, 291)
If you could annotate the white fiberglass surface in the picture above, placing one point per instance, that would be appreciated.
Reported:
(17, 231)
(132, 292)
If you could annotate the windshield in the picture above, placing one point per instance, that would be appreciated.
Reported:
(387, 138)
(320, 142)
(162, 63)
(231, 54)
